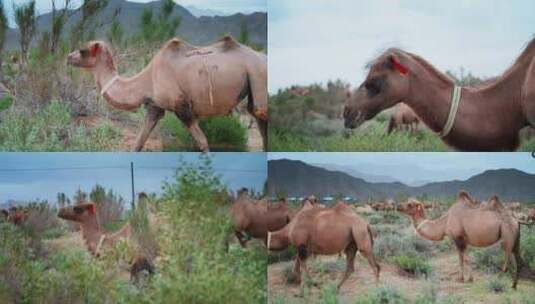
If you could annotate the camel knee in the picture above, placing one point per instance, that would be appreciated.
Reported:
(302, 252)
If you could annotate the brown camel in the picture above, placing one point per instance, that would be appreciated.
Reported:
(192, 82)
(326, 231)
(403, 118)
(17, 215)
(96, 238)
(255, 218)
(468, 223)
(489, 116)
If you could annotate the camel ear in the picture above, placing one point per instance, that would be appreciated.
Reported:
(494, 198)
(95, 49)
(92, 209)
(396, 65)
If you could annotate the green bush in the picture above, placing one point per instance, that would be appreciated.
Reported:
(496, 285)
(224, 133)
(383, 295)
(52, 129)
(6, 102)
(489, 259)
(329, 294)
(412, 264)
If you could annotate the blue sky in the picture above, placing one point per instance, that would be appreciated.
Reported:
(20, 181)
(225, 6)
(419, 166)
(314, 41)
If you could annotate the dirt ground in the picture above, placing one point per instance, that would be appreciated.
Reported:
(444, 278)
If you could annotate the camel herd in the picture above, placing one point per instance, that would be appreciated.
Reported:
(314, 230)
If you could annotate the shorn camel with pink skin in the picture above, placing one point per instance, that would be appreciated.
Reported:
(326, 231)
(190, 81)
(489, 116)
(469, 223)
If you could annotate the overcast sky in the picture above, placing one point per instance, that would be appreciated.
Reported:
(314, 41)
(419, 166)
(224, 6)
(26, 176)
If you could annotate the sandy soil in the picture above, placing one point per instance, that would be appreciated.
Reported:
(444, 277)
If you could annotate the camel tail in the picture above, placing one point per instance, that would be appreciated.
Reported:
(391, 125)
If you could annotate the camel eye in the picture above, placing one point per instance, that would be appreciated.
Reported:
(78, 210)
(84, 53)
(373, 86)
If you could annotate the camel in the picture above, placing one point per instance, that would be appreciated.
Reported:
(403, 118)
(326, 231)
(17, 215)
(190, 81)
(96, 238)
(256, 218)
(469, 223)
(486, 117)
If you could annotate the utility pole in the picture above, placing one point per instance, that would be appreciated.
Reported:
(133, 191)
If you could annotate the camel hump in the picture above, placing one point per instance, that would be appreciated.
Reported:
(465, 196)
(177, 44)
(228, 43)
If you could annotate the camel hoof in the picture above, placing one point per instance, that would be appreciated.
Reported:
(470, 280)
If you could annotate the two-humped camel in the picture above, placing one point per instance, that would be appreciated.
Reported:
(190, 81)
(255, 218)
(326, 231)
(469, 223)
(96, 239)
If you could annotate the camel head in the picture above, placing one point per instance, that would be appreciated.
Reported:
(78, 213)
(387, 84)
(412, 208)
(92, 55)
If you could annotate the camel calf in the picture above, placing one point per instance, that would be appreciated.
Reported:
(469, 223)
(326, 231)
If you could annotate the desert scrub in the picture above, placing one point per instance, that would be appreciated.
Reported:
(488, 259)
(329, 294)
(383, 294)
(222, 132)
(496, 284)
(52, 129)
(412, 264)
(391, 245)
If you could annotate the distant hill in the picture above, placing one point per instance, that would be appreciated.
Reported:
(196, 30)
(296, 178)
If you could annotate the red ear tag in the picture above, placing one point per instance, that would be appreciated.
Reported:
(403, 70)
(95, 49)
(92, 209)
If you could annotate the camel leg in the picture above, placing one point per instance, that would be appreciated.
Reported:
(302, 255)
(198, 135)
(153, 115)
(241, 238)
(261, 121)
(518, 260)
(373, 263)
(350, 252)
(469, 266)
(297, 270)
(461, 247)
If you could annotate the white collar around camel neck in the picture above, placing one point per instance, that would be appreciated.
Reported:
(454, 105)
(108, 84)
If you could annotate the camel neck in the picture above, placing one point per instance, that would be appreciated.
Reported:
(432, 105)
(433, 230)
(91, 233)
(124, 93)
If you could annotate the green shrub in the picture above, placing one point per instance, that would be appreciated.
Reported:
(412, 264)
(52, 129)
(6, 102)
(329, 294)
(429, 295)
(383, 295)
(222, 132)
(527, 246)
(488, 259)
(496, 285)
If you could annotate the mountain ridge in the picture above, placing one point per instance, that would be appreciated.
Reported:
(297, 178)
